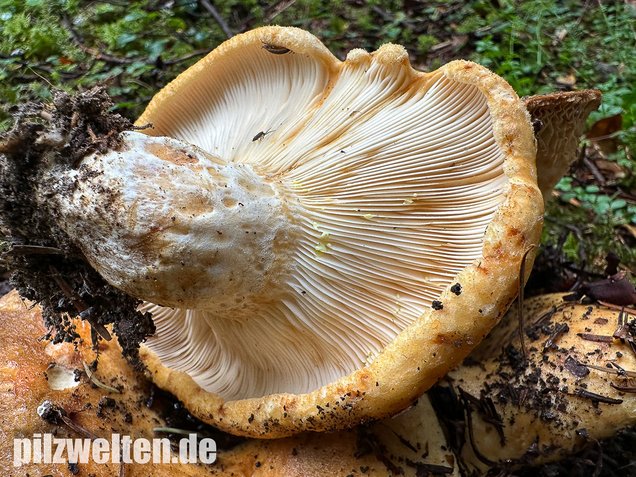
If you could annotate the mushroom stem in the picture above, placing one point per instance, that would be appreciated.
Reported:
(179, 227)
(48, 142)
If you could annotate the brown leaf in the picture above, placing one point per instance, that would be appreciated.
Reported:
(567, 80)
(631, 229)
(577, 369)
(602, 131)
(559, 35)
(610, 169)
(618, 290)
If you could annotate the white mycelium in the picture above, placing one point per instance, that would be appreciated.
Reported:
(327, 212)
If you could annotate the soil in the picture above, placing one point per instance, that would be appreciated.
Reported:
(45, 264)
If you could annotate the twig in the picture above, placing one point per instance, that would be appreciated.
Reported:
(595, 338)
(388, 17)
(559, 330)
(217, 16)
(78, 303)
(82, 308)
(520, 290)
(35, 250)
(595, 397)
(97, 382)
(624, 389)
(53, 414)
(594, 170)
(41, 77)
(173, 430)
(468, 409)
(277, 9)
(621, 372)
(77, 39)
(192, 54)
(624, 309)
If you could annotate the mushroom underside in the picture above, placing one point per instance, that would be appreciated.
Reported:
(361, 243)
(389, 178)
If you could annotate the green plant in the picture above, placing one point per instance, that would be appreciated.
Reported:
(605, 206)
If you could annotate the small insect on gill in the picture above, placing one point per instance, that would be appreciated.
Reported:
(261, 135)
(276, 49)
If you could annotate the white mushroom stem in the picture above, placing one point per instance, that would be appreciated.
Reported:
(165, 221)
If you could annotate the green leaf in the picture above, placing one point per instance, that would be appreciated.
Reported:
(618, 204)
(125, 38)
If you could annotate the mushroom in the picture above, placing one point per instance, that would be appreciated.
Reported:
(565, 398)
(577, 386)
(112, 399)
(557, 145)
(320, 259)
(380, 167)
(412, 442)
(25, 387)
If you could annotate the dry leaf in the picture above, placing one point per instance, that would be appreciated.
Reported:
(567, 80)
(602, 133)
(631, 229)
(559, 35)
(610, 169)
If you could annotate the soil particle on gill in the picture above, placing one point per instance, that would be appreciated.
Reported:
(45, 264)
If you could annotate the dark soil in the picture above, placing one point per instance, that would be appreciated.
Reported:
(44, 263)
